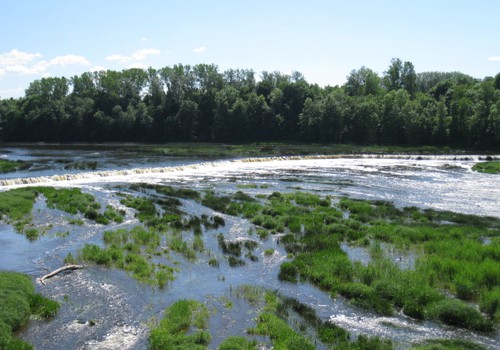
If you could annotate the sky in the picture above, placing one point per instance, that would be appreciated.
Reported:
(322, 39)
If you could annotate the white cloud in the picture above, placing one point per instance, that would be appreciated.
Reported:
(119, 58)
(494, 58)
(16, 57)
(18, 62)
(139, 55)
(139, 65)
(69, 60)
(200, 49)
(145, 39)
(142, 54)
(19, 69)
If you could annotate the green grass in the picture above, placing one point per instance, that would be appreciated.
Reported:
(452, 255)
(16, 205)
(487, 167)
(184, 326)
(238, 343)
(130, 250)
(7, 166)
(19, 303)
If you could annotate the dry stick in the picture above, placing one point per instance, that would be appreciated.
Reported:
(59, 270)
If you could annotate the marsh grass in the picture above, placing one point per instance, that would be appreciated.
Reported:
(16, 206)
(128, 250)
(184, 326)
(453, 256)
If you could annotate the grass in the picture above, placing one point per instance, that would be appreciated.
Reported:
(16, 206)
(487, 167)
(238, 343)
(184, 326)
(452, 255)
(8, 166)
(129, 250)
(19, 303)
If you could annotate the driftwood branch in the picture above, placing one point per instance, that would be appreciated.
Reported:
(59, 270)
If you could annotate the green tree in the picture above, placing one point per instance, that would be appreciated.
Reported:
(363, 82)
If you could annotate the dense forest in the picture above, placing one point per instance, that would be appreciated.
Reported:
(199, 103)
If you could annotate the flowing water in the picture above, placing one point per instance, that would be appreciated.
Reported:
(107, 309)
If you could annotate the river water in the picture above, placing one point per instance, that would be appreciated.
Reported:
(107, 309)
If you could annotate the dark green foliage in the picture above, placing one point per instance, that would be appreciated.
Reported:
(234, 261)
(399, 108)
(229, 247)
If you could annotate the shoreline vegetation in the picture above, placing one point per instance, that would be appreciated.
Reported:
(453, 281)
(19, 304)
(213, 150)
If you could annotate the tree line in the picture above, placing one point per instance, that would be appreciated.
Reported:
(200, 103)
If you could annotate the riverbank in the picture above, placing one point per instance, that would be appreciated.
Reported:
(260, 149)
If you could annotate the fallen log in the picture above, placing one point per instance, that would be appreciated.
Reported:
(59, 270)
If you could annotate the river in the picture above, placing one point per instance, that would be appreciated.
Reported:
(107, 309)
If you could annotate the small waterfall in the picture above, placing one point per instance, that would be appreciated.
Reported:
(96, 175)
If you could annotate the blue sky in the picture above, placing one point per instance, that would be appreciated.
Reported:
(323, 39)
